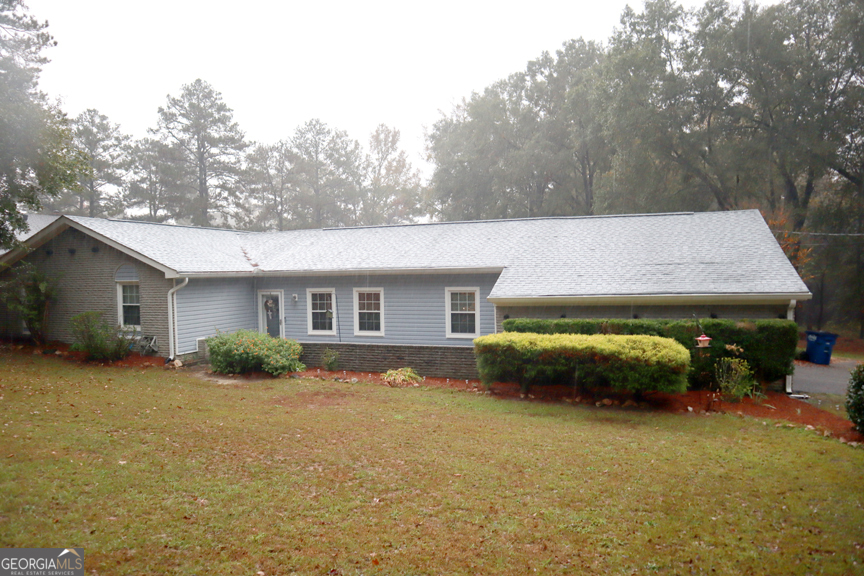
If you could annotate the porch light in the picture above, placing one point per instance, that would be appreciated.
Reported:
(703, 341)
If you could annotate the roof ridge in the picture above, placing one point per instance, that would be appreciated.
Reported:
(527, 219)
(125, 221)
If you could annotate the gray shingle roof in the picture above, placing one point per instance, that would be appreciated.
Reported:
(656, 254)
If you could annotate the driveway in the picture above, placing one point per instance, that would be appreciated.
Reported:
(816, 378)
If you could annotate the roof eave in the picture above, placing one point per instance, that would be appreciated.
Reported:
(783, 298)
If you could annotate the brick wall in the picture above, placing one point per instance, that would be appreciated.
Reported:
(86, 282)
(437, 361)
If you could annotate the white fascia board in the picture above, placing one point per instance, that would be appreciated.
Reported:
(346, 272)
(169, 272)
(649, 299)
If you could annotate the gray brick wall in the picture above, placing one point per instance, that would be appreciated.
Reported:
(86, 282)
(437, 361)
(735, 312)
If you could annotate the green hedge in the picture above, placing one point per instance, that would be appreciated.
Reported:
(635, 363)
(767, 345)
(248, 351)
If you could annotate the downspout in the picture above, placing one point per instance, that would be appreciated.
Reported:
(790, 315)
(171, 318)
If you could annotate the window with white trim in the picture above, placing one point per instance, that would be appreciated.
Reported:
(368, 311)
(129, 301)
(463, 316)
(321, 310)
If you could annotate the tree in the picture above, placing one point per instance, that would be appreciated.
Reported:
(105, 148)
(211, 145)
(155, 180)
(37, 156)
(392, 194)
(670, 94)
(270, 185)
(565, 91)
(29, 293)
(329, 173)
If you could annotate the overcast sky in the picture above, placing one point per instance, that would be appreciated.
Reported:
(278, 63)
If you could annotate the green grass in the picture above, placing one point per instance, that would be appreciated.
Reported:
(847, 356)
(156, 472)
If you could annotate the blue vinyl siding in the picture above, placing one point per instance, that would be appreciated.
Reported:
(205, 306)
(414, 306)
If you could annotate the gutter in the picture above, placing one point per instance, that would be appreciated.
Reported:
(172, 328)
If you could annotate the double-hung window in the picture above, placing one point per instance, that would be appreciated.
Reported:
(368, 312)
(129, 300)
(463, 318)
(321, 311)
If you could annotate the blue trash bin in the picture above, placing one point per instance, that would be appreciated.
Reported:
(819, 346)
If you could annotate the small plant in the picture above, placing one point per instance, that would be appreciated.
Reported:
(855, 398)
(734, 378)
(248, 351)
(401, 377)
(330, 359)
(99, 340)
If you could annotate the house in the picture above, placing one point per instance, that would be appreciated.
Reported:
(410, 295)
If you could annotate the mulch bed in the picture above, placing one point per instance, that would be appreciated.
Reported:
(775, 406)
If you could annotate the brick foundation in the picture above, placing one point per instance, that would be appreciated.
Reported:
(436, 361)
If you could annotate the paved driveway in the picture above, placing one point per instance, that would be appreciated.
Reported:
(815, 378)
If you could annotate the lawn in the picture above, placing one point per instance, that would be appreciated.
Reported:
(158, 472)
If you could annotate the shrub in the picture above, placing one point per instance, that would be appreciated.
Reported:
(734, 378)
(29, 294)
(855, 398)
(99, 340)
(401, 377)
(768, 345)
(248, 351)
(330, 359)
(635, 363)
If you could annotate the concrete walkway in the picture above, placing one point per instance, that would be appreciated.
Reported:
(816, 378)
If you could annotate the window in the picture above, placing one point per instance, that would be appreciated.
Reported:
(129, 299)
(368, 312)
(463, 319)
(321, 310)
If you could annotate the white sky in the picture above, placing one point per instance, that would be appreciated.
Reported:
(353, 64)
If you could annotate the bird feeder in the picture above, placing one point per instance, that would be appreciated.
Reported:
(703, 341)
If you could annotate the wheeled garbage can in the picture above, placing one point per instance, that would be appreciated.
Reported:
(819, 346)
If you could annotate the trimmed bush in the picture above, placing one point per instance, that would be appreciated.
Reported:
(855, 398)
(635, 363)
(99, 340)
(768, 345)
(248, 351)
